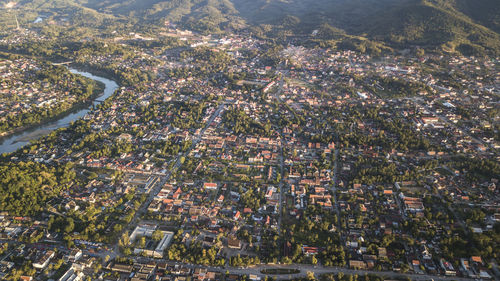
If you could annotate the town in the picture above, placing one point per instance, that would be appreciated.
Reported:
(229, 158)
(33, 92)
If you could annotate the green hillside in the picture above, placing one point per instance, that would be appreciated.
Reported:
(484, 12)
(431, 26)
(467, 26)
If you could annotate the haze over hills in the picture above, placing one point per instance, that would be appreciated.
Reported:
(467, 26)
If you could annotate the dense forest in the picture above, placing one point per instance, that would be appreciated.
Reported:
(27, 186)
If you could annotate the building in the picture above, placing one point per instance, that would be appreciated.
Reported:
(44, 260)
(151, 249)
(71, 275)
(233, 243)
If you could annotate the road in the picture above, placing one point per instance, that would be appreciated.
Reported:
(401, 207)
(281, 184)
(304, 269)
(451, 124)
(152, 194)
(282, 161)
(450, 209)
(334, 191)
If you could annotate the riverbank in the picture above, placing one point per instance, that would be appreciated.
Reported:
(95, 71)
(22, 136)
(6, 53)
(96, 93)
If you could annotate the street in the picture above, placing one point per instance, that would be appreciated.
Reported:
(113, 253)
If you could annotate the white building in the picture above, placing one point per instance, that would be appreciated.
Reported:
(146, 230)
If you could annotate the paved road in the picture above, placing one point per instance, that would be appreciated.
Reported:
(451, 124)
(334, 190)
(152, 194)
(318, 270)
(282, 161)
(281, 184)
(304, 269)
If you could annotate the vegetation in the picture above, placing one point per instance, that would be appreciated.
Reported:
(344, 277)
(433, 26)
(194, 253)
(82, 91)
(25, 187)
(460, 244)
(477, 169)
(242, 123)
(243, 261)
(463, 26)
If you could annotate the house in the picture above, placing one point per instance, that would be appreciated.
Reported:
(448, 268)
(254, 277)
(355, 264)
(74, 255)
(71, 275)
(467, 268)
(237, 215)
(382, 252)
(210, 185)
(309, 251)
(122, 268)
(44, 260)
(233, 243)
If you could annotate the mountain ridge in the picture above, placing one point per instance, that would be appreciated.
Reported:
(465, 26)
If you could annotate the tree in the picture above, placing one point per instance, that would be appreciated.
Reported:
(314, 260)
(70, 225)
(286, 260)
(420, 52)
(310, 275)
(127, 251)
(405, 267)
(142, 242)
(124, 240)
(58, 264)
(157, 235)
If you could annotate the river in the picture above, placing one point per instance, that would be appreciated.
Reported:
(19, 139)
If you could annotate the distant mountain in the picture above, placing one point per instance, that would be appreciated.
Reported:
(467, 26)
(434, 25)
(484, 12)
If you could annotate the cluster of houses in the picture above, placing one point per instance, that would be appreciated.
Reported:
(319, 134)
(22, 92)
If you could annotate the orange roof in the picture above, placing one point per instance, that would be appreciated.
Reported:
(210, 185)
(476, 259)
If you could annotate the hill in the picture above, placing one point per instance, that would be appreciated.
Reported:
(432, 26)
(467, 26)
